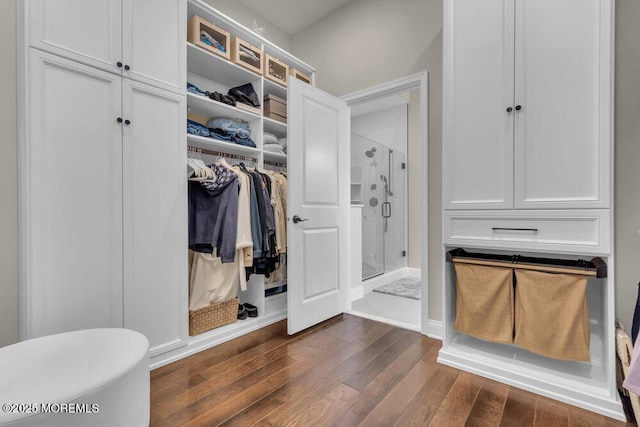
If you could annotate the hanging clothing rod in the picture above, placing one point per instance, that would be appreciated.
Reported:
(278, 164)
(596, 267)
(221, 154)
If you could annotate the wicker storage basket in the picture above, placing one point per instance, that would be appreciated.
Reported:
(214, 316)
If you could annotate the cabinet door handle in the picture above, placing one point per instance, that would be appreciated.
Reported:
(119, 120)
(127, 122)
(126, 67)
(535, 230)
(509, 109)
(119, 64)
(518, 107)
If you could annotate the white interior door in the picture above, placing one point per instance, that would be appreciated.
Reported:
(318, 247)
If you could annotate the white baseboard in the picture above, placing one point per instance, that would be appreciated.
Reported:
(434, 329)
(357, 293)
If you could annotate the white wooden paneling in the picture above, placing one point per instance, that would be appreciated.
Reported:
(564, 231)
(74, 218)
(562, 82)
(155, 215)
(478, 90)
(318, 259)
(88, 31)
(154, 33)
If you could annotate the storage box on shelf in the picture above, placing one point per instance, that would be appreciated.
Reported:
(209, 36)
(299, 75)
(275, 108)
(247, 55)
(275, 70)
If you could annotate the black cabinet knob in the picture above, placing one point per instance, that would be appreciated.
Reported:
(518, 107)
(126, 67)
(119, 120)
(127, 122)
(119, 64)
(509, 109)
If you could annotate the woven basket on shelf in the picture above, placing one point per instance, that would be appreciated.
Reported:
(213, 316)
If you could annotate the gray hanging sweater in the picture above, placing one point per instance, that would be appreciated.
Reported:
(213, 214)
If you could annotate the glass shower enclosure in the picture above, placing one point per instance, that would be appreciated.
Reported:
(378, 180)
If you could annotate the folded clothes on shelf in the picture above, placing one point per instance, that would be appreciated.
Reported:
(195, 128)
(269, 138)
(191, 88)
(273, 148)
(226, 99)
(234, 127)
(206, 38)
(245, 94)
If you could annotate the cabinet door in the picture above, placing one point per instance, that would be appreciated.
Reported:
(563, 82)
(73, 191)
(478, 89)
(88, 31)
(154, 42)
(155, 215)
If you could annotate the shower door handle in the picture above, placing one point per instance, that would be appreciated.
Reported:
(386, 210)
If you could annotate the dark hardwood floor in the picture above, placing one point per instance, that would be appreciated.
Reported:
(346, 371)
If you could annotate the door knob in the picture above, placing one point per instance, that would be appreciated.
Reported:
(297, 219)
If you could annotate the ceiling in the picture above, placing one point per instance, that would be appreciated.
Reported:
(293, 15)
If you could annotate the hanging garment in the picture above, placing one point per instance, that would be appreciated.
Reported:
(551, 316)
(484, 302)
(213, 214)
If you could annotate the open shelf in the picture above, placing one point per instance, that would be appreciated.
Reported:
(275, 157)
(275, 89)
(275, 127)
(223, 146)
(209, 108)
(216, 68)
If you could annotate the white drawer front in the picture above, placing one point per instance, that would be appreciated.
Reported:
(547, 231)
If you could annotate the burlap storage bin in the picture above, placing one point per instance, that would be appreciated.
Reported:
(551, 315)
(484, 302)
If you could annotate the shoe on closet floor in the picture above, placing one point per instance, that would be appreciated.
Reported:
(242, 313)
(252, 310)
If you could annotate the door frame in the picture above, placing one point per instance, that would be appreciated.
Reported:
(418, 81)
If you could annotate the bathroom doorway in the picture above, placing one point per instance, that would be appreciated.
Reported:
(388, 193)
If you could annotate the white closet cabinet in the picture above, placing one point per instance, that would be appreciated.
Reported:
(528, 104)
(139, 39)
(104, 184)
(527, 170)
(74, 195)
(155, 215)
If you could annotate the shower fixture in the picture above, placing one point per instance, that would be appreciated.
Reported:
(370, 153)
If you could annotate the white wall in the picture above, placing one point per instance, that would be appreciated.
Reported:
(414, 181)
(369, 42)
(245, 16)
(8, 177)
(627, 158)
